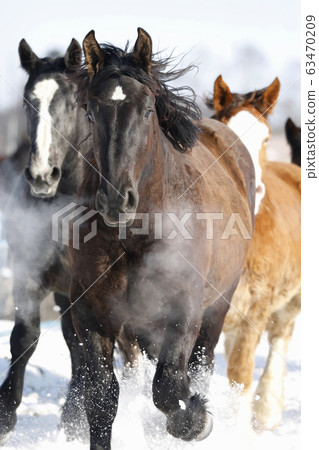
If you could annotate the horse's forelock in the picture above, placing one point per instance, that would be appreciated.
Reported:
(47, 67)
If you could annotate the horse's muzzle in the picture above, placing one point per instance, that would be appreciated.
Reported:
(120, 212)
(124, 220)
(43, 186)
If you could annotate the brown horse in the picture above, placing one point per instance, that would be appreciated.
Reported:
(170, 289)
(268, 294)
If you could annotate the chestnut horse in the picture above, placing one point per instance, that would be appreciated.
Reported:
(268, 294)
(171, 291)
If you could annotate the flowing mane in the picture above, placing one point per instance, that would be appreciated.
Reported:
(176, 108)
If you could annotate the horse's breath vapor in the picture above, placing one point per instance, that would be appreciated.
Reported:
(145, 221)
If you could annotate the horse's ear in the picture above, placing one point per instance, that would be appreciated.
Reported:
(28, 58)
(222, 94)
(72, 57)
(143, 50)
(270, 96)
(94, 57)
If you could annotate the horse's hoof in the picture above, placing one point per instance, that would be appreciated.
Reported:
(208, 427)
(266, 425)
(192, 422)
(76, 428)
(4, 437)
(267, 412)
(7, 424)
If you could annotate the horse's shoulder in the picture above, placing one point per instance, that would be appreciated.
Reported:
(232, 155)
(225, 144)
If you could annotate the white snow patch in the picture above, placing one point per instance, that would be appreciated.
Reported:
(138, 424)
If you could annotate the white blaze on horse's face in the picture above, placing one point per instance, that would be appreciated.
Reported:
(118, 94)
(253, 134)
(44, 92)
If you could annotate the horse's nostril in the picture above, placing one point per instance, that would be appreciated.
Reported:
(55, 174)
(131, 200)
(28, 175)
(52, 176)
(100, 203)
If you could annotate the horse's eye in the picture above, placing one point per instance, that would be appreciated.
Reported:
(148, 113)
(90, 116)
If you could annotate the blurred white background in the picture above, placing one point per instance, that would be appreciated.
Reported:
(249, 42)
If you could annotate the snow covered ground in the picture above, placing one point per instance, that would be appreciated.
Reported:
(138, 424)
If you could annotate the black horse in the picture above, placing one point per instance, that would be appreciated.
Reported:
(293, 136)
(154, 157)
(58, 133)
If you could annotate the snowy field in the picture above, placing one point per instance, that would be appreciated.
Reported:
(138, 424)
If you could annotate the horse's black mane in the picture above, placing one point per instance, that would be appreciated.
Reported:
(176, 112)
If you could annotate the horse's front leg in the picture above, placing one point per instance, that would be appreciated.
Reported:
(269, 398)
(211, 328)
(101, 388)
(23, 341)
(187, 417)
(73, 419)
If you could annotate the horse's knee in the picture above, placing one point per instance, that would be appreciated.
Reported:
(31, 290)
(24, 338)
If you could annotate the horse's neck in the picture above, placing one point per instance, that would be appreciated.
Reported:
(252, 133)
(78, 146)
(158, 172)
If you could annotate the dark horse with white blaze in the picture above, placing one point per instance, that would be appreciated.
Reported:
(154, 159)
(56, 128)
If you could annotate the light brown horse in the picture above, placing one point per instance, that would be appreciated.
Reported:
(268, 294)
